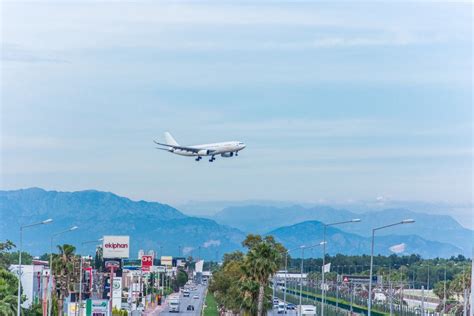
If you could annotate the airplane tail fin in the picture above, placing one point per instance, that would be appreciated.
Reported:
(170, 140)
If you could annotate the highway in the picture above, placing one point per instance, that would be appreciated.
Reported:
(185, 301)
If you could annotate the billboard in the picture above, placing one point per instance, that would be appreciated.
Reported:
(166, 261)
(131, 264)
(159, 269)
(116, 246)
(117, 292)
(97, 307)
(147, 263)
(199, 266)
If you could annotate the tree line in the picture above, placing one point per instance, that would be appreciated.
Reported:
(241, 283)
(65, 269)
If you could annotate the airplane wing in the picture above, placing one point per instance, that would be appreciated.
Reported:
(189, 149)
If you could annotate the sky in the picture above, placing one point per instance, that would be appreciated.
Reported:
(336, 101)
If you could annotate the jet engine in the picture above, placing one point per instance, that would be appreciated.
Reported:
(227, 155)
(203, 152)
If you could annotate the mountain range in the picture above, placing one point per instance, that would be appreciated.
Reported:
(161, 227)
(311, 233)
(435, 227)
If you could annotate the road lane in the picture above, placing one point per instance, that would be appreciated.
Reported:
(185, 301)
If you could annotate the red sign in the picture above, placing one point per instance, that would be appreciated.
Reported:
(147, 263)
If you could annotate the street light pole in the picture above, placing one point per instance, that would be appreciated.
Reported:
(406, 221)
(301, 272)
(323, 284)
(50, 307)
(18, 307)
(286, 273)
(80, 273)
(301, 276)
(428, 285)
(444, 290)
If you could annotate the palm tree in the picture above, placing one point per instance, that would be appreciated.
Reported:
(8, 293)
(261, 262)
(248, 289)
(65, 275)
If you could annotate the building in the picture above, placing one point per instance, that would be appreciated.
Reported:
(34, 281)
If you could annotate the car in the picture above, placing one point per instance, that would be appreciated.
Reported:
(291, 306)
(281, 308)
(196, 297)
(190, 308)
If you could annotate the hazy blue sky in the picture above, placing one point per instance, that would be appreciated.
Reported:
(336, 101)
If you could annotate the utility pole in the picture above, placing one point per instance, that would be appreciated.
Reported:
(422, 300)
(444, 290)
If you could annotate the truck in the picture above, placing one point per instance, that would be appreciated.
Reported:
(173, 303)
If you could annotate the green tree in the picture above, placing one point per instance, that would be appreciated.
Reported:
(439, 290)
(261, 262)
(34, 310)
(8, 293)
(181, 278)
(65, 274)
(461, 281)
(225, 283)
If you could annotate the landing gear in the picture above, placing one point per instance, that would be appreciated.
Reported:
(212, 159)
(198, 158)
(236, 153)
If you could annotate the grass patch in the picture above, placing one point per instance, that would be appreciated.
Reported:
(211, 305)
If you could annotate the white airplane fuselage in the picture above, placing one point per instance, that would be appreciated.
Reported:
(225, 149)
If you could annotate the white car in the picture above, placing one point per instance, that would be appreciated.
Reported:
(306, 309)
(196, 297)
(281, 308)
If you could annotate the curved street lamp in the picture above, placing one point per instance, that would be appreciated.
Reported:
(323, 285)
(405, 221)
(50, 286)
(322, 243)
(80, 276)
(47, 221)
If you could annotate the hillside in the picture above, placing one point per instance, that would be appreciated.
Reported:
(150, 224)
(338, 241)
(441, 228)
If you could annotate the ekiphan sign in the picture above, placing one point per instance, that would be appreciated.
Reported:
(116, 247)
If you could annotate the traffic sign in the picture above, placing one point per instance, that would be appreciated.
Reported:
(358, 278)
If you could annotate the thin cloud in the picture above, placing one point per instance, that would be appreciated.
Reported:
(17, 53)
(211, 243)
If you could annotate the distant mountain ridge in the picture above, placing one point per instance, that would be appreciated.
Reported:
(441, 228)
(311, 233)
(152, 225)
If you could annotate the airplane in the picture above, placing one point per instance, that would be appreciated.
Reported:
(225, 149)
